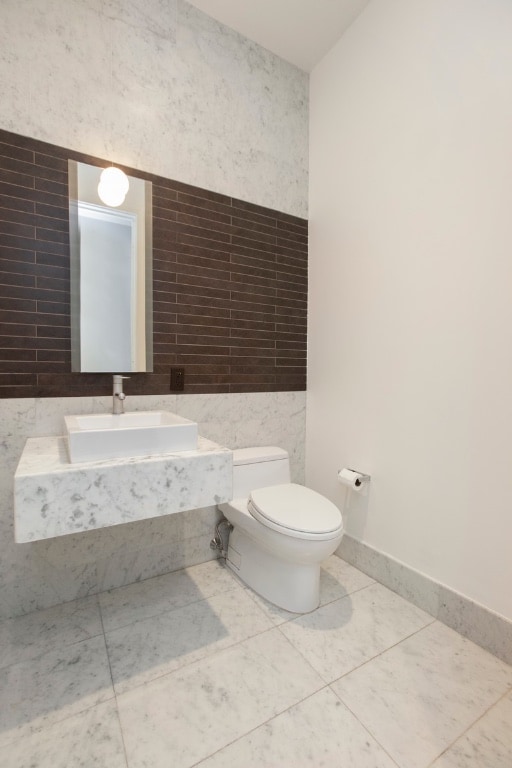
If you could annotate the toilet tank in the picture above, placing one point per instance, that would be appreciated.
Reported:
(259, 467)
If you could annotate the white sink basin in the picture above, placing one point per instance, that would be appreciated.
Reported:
(99, 436)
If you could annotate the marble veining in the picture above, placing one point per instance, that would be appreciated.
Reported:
(45, 690)
(375, 616)
(481, 625)
(205, 679)
(404, 696)
(339, 740)
(244, 686)
(95, 733)
(36, 633)
(257, 418)
(53, 497)
(153, 597)
(174, 639)
(43, 573)
(154, 85)
(488, 744)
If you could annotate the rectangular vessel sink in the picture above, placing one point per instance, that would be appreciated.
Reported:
(99, 436)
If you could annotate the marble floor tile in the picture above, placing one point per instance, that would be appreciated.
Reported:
(273, 613)
(207, 673)
(184, 717)
(91, 739)
(342, 635)
(487, 744)
(26, 637)
(338, 579)
(419, 696)
(52, 687)
(152, 597)
(319, 731)
(151, 648)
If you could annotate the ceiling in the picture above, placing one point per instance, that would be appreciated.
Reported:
(299, 31)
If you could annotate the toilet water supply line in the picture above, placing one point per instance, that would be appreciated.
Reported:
(218, 542)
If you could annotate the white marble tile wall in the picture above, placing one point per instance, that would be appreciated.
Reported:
(46, 573)
(240, 420)
(160, 86)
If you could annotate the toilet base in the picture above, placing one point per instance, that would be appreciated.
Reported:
(289, 585)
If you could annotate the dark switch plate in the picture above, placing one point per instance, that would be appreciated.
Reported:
(177, 379)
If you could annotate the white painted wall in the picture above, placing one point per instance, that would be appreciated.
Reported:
(410, 356)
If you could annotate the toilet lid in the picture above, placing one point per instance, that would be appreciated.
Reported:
(296, 508)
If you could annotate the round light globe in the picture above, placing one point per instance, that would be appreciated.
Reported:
(113, 186)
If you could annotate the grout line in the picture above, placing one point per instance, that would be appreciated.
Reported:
(202, 659)
(166, 611)
(51, 649)
(471, 726)
(381, 653)
(194, 661)
(365, 727)
(46, 726)
(113, 686)
(265, 722)
(246, 639)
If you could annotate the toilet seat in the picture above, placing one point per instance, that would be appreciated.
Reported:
(296, 511)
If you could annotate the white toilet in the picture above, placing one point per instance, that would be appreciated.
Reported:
(282, 532)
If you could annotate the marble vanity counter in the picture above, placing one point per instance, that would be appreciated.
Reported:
(53, 497)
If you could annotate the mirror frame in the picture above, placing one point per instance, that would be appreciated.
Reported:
(74, 241)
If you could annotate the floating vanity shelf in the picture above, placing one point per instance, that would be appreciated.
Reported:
(53, 497)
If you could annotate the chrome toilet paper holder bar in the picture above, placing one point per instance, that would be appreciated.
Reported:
(362, 478)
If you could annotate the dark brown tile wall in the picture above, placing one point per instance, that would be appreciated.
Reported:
(229, 293)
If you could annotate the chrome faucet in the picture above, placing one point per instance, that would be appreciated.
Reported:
(118, 396)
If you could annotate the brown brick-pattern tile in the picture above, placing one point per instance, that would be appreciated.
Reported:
(229, 285)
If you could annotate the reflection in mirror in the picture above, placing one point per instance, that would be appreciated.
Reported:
(111, 276)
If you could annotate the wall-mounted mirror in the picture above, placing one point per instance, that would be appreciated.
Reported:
(111, 275)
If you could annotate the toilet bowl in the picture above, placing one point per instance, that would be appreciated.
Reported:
(282, 531)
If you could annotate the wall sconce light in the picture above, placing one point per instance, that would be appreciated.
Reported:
(113, 186)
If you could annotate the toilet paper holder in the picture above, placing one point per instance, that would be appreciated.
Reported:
(354, 479)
